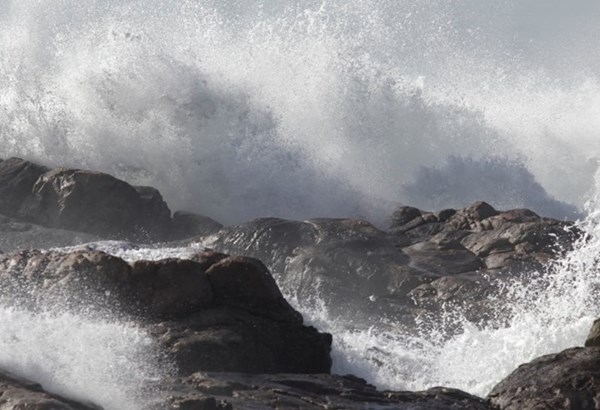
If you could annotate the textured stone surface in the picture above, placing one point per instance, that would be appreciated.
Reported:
(569, 380)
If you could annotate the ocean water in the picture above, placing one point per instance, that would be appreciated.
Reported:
(240, 109)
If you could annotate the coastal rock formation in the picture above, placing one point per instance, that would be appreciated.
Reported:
(425, 260)
(222, 320)
(90, 202)
(19, 394)
(215, 312)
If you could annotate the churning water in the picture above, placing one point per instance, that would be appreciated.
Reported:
(314, 108)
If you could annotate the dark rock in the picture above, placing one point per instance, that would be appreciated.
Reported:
(214, 312)
(403, 215)
(442, 258)
(155, 214)
(593, 338)
(19, 394)
(568, 380)
(188, 225)
(353, 266)
(287, 391)
(85, 201)
(17, 178)
(247, 283)
(161, 289)
(472, 216)
(237, 340)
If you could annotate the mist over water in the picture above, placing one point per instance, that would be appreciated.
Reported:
(307, 108)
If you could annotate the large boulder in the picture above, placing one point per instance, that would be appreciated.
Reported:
(212, 312)
(87, 201)
(83, 201)
(569, 380)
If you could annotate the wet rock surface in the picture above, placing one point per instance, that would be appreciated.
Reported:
(568, 380)
(19, 394)
(215, 312)
(425, 260)
(19, 234)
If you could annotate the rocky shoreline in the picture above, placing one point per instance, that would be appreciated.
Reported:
(223, 320)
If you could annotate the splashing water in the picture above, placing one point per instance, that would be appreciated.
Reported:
(238, 109)
(102, 361)
(306, 108)
(541, 313)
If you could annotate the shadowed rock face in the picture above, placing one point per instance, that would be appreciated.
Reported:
(19, 394)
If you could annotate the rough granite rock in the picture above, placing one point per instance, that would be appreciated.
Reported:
(214, 312)
(593, 338)
(19, 394)
(569, 380)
